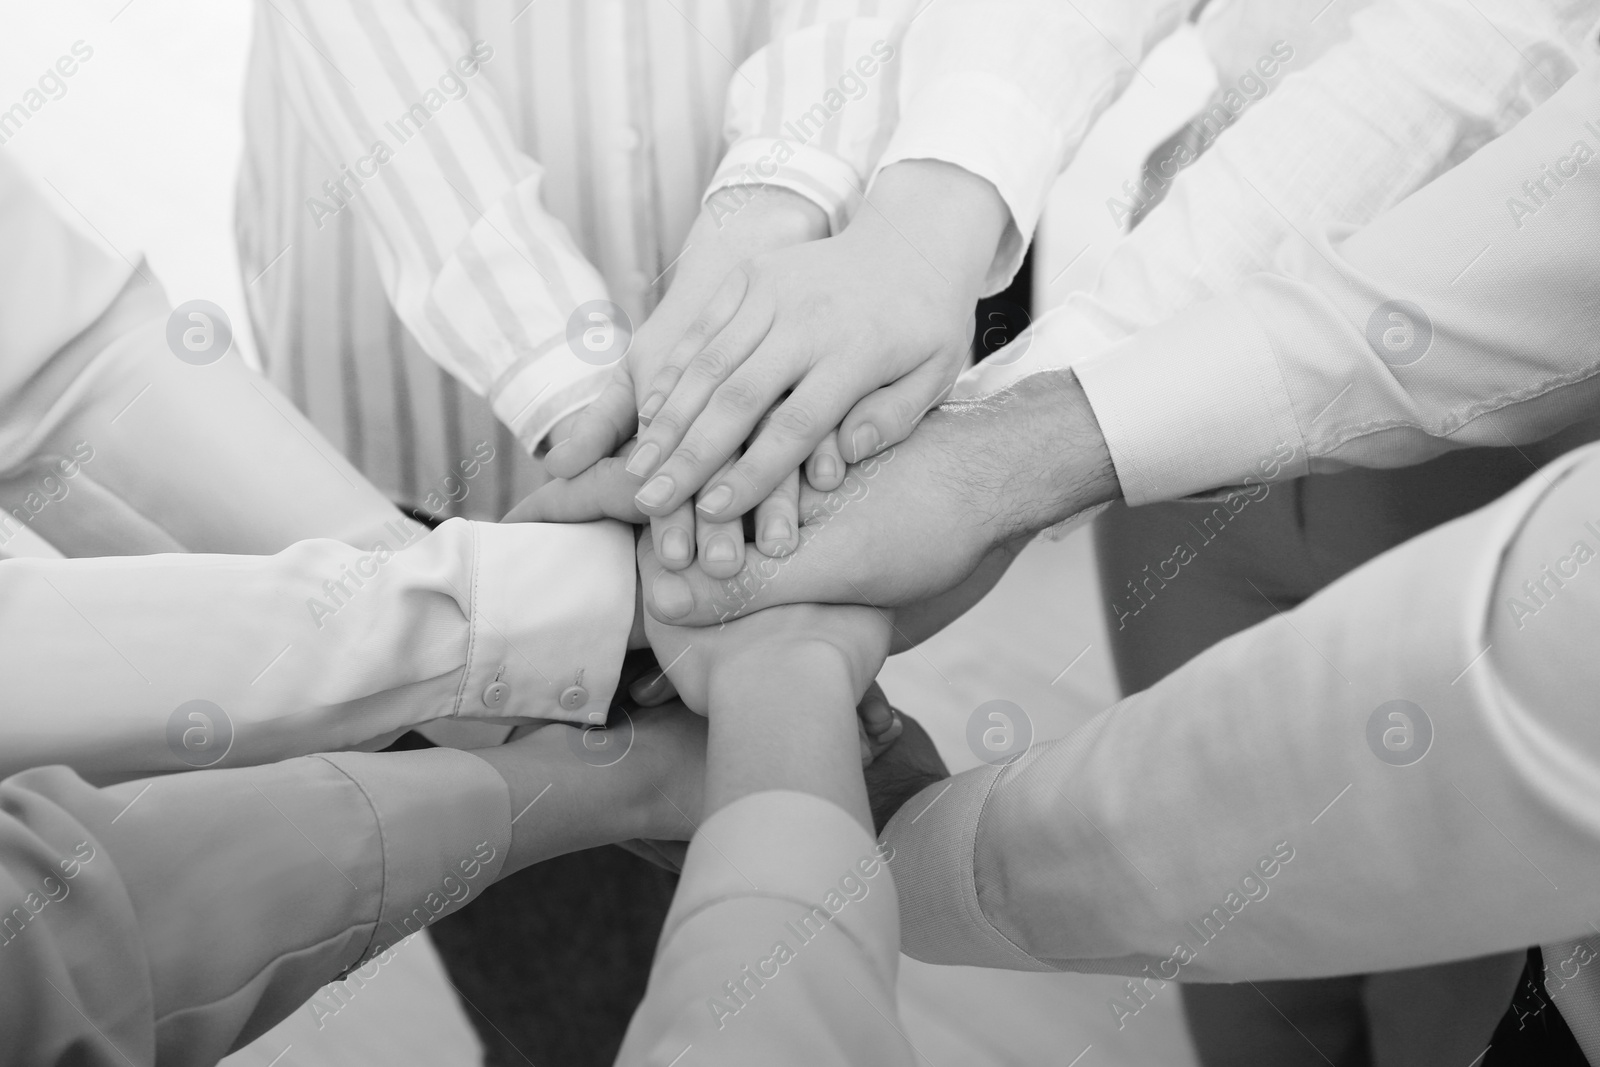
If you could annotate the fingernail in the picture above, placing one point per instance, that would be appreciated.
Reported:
(675, 545)
(651, 407)
(865, 440)
(670, 595)
(720, 549)
(656, 492)
(716, 500)
(778, 533)
(825, 469)
(644, 459)
(647, 687)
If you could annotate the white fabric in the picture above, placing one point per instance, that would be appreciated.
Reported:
(781, 946)
(1006, 89)
(1463, 316)
(1265, 758)
(360, 624)
(615, 104)
(1416, 88)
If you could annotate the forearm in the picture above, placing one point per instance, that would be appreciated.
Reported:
(183, 458)
(567, 796)
(320, 647)
(785, 721)
(186, 914)
(1037, 456)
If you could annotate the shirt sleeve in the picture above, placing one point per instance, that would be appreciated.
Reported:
(1398, 772)
(781, 946)
(1008, 89)
(1418, 87)
(174, 919)
(812, 107)
(110, 445)
(419, 146)
(1463, 316)
(156, 663)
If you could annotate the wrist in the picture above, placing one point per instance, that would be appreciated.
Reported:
(757, 678)
(763, 217)
(1039, 454)
(950, 218)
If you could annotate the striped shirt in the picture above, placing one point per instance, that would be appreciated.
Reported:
(430, 188)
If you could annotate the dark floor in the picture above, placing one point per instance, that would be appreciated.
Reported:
(552, 961)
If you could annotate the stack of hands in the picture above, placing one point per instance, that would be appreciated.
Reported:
(753, 428)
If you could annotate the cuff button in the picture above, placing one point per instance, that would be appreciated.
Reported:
(495, 694)
(574, 697)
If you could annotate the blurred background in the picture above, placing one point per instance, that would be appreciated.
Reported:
(140, 152)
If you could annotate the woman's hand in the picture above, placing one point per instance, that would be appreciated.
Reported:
(695, 659)
(868, 329)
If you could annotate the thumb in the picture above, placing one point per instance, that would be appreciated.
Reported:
(600, 429)
(604, 491)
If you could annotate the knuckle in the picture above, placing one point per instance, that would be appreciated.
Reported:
(902, 412)
(795, 421)
(668, 426)
(691, 455)
(740, 396)
(713, 364)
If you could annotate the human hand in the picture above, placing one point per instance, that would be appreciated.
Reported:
(869, 329)
(773, 218)
(879, 725)
(906, 767)
(918, 521)
(655, 790)
(695, 660)
(880, 728)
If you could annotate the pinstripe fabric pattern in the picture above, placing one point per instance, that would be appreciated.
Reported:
(457, 261)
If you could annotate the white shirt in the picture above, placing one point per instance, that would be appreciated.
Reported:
(1262, 813)
(1417, 87)
(1462, 316)
(588, 134)
(1471, 634)
(112, 444)
(563, 163)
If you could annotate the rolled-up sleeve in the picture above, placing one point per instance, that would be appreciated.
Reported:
(1400, 771)
(173, 919)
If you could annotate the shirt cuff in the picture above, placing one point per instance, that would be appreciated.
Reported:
(989, 127)
(1194, 404)
(444, 826)
(544, 387)
(821, 177)
(932, 840)
(798, 847)
(550, 617)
